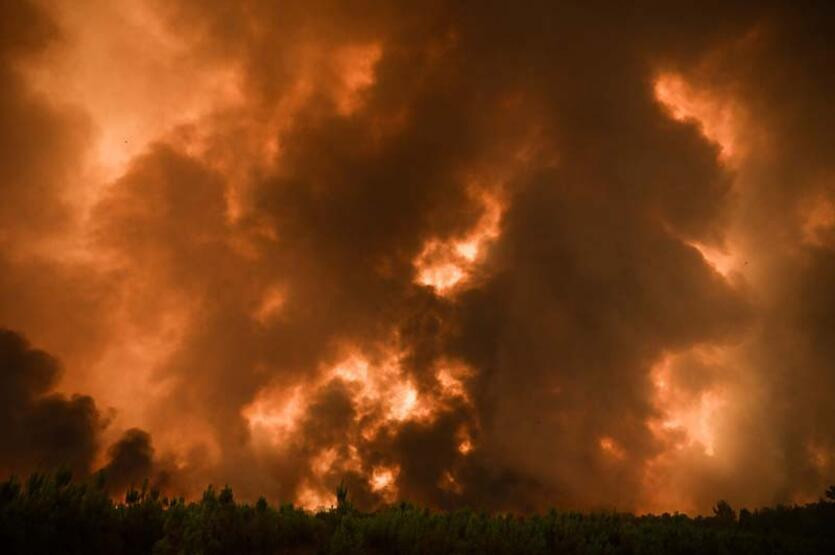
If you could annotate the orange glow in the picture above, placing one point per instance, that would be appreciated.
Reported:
(611, 448)
(451, 376)
(383, 481)
(275, 413)
(446, 265)
(449, 483)
(465, 441)
(717, 119)
(691, 417)
(723, 262)
(131, 104)
(312, 498)
(355, 67)
(819, 218)
(269, 306)
(381, 390)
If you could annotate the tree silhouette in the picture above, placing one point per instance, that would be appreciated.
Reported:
(724, 513)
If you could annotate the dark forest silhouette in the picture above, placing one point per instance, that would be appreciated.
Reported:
(51, 513)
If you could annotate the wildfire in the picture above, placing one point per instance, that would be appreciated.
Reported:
(275, 412)
(446, 265)
(692, 417)
(382, 395)
(383, 481)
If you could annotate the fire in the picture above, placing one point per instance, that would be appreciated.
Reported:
(451, 376)
(275, 413)
(694, 415)
(312, 498)
(324, 461)
(382, 395)
(465, 441)
(446, 265)
(449, 483)
(383, 481)
(381, 392)
(717, 119)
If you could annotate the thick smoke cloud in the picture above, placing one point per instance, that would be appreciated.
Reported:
(41, 430)
(512, 257)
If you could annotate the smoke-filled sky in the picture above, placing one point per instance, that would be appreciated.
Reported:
(509, 255)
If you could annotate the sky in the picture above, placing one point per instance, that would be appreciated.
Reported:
(502, 255)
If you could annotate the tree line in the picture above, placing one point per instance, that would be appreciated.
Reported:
(52, 513)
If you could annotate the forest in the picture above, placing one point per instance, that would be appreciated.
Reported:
(52, 513)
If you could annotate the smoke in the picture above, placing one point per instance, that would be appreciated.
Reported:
(505, 257)
(41, 430)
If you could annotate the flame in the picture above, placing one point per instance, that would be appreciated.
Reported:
(380, 392)
(383, 481)
(445, 265)
(691, 418)
(382, 395)
(313, 498)
(275, 413)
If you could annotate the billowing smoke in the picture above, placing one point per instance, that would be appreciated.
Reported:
(500, 256)
(41, 430)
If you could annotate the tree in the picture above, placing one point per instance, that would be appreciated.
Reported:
(724, 513)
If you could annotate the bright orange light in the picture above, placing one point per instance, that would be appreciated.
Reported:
(465, 442)
(718, 119)
(723, 262)
(382, 481)
(313, 498)
(446, 265)
(275, 413)
(694, 415)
